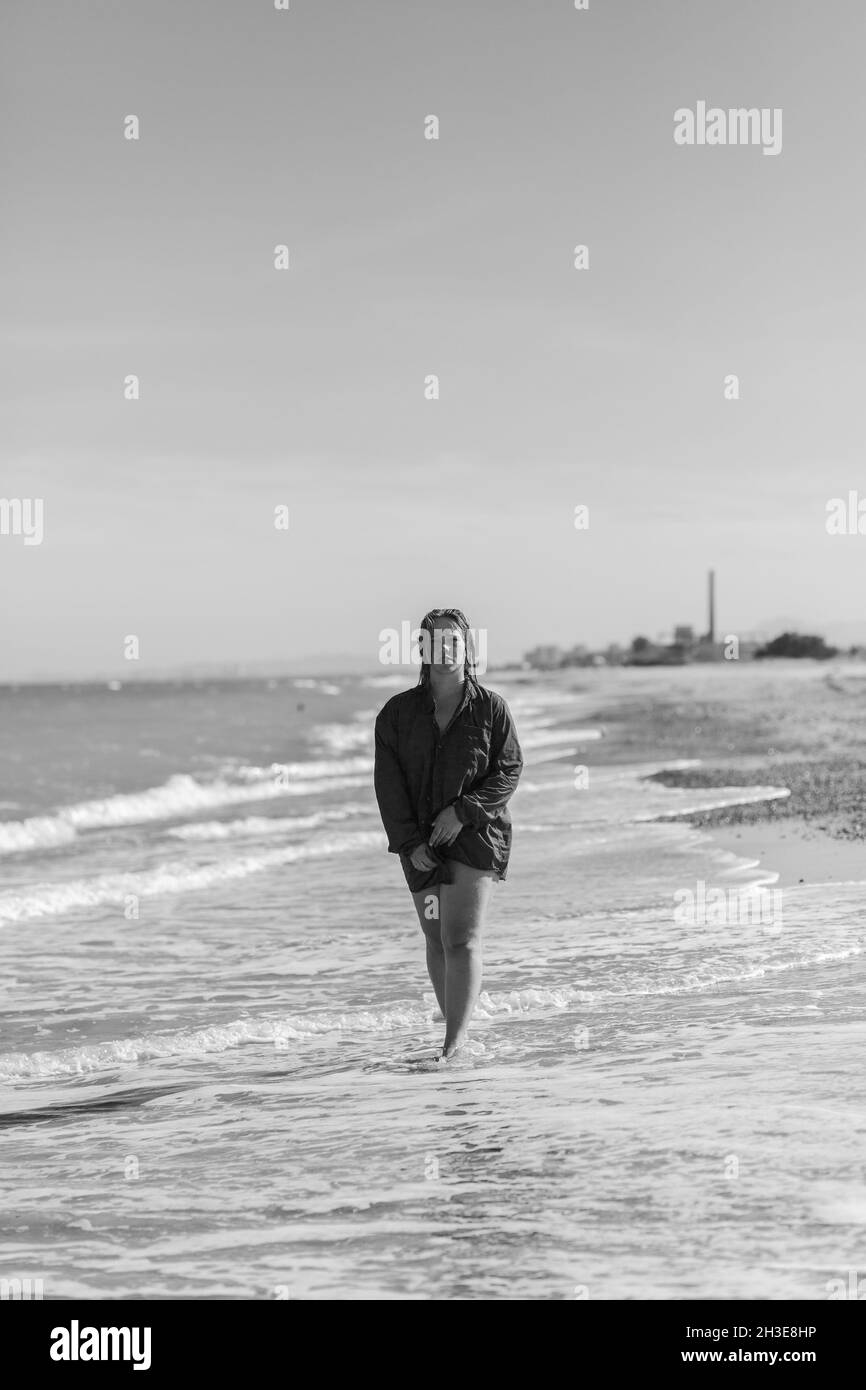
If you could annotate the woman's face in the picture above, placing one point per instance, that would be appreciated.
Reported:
(448, 648)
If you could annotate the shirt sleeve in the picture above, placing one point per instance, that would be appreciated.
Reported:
(491, 794)
(392, 793)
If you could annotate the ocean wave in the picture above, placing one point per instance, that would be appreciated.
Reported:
(263, 825)
(716, 799)
(281, 1032)
(710, 977)
(326, 687)
(200, 1042)
(50, 899)
(548, 738)
(181, 795)
(344, 738)
(312, 770)
(276, 1031)
(37, 832)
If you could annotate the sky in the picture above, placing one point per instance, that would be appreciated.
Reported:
(305, 388)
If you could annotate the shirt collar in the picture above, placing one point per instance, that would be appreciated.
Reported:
(470, 692)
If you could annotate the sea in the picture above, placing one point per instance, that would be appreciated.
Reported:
(217, 1031)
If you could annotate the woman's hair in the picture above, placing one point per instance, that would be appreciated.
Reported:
(459, 619)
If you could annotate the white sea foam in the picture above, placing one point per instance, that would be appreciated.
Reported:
(37, 832)
(715, 798)
(710, 977)
(182, 795)
(311, 770)
(326, 687)
(344, 738)
(218, 1038)
(50, 899)
(193, 1043)
(261, 826)
(548, 738)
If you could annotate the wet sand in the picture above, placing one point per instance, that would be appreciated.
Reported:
(795, 852)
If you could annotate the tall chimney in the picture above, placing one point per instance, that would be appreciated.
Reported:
(711, 606)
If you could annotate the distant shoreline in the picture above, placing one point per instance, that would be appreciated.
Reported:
(231, 672)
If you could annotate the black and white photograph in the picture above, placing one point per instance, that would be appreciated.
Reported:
(433, 663)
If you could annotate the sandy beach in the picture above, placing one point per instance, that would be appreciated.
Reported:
(792, 725)
(795, 852)
(635, 1113)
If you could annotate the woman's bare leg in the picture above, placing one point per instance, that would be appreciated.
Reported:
(463, 904)
(427, 906)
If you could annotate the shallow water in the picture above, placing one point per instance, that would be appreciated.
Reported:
(217, 1024)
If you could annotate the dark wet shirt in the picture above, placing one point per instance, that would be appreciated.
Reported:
(474, 765)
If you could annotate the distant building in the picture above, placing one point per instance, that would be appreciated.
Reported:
(711, 607)
(546, 658)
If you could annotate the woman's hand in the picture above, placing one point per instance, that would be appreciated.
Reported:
(446, 827)
(422, 859)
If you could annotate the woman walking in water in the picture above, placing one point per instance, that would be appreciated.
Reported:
(447, 762)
